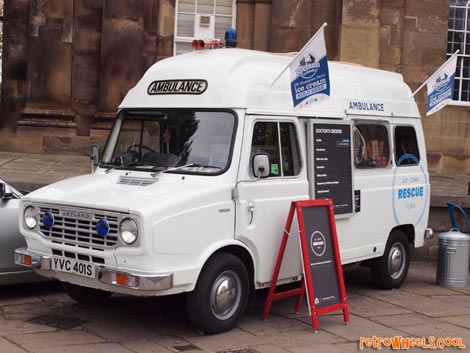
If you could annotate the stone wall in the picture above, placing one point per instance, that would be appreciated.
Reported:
(410, 37)
(68, 64)
(286, 25)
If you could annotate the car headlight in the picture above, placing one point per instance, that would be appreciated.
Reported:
(128, 231)
(31, 217)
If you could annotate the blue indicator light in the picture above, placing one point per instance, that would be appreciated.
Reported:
(48, 220)
(102, 227)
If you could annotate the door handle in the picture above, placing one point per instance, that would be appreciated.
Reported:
(251, 211)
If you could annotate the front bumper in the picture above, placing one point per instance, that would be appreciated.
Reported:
(132, 280)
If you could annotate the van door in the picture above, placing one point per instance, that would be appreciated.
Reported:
(263, 204)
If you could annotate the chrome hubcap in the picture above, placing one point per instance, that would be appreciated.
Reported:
(396, 260)
(225, 295)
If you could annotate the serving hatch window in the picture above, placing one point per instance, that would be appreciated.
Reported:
(371, 145)
(184, 141)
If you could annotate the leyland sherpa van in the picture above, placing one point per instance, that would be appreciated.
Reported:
(193, 187)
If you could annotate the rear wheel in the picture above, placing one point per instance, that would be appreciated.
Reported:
(389, 270)
(85, 295)
(221, 294)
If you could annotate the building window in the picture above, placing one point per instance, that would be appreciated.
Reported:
(458, 37)
(201, 19)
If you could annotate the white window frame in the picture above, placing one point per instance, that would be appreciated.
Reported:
(463, 55)
(190, 39)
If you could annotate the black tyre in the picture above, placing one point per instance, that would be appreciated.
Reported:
(389, 270)
(85, 295)
(221, 294)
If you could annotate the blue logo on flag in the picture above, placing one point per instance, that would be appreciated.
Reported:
(312, 81)
(309, 73)
(441, 86)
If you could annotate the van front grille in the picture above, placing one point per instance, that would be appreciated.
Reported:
(77, 227)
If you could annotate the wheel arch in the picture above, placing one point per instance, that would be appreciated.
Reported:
(237, 249)
(408, 230)
(244, 255)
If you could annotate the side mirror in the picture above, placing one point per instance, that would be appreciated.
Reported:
(261, 165)
(5, 191)
(95, 155)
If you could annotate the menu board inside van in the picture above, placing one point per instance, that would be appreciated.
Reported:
(330, 167)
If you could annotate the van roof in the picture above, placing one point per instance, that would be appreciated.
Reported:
(239, 78)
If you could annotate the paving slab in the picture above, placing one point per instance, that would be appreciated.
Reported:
(358, 327)
(461, 320)
(86, 348)
(459, 301)
(13, 327)
(420, 287)
(145, 346)
(42, 341)
(294, 340)
(397, 321)
(320, 348)
(160, 325)
(366, 307)
(416, 303)
(9, 347)
(438, 330)
(234, 339)
(28, 311)
(116, 331)
(255, 324)
(268, 348)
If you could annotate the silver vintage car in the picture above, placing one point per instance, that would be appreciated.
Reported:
(10, 238)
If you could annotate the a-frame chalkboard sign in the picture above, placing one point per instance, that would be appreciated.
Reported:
(323, 274)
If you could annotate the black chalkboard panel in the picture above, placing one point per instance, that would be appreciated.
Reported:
(321, 256)
(332, 164)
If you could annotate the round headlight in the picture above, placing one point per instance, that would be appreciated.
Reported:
(128, 231)
(31, 217)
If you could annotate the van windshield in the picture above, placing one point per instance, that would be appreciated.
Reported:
(176, 141)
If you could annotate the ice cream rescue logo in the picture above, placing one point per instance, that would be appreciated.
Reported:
(441, 82)
(308, 66)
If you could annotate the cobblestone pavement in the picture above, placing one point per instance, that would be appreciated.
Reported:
(41, 318)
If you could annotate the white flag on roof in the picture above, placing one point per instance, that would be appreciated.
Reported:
(310, 81)
(441, 86)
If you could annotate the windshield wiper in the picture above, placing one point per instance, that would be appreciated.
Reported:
(191, 165)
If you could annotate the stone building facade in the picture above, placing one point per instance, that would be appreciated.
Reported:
(67, 64)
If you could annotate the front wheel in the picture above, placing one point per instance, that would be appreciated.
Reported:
(221, 294)
(389, 270)
(85, 295)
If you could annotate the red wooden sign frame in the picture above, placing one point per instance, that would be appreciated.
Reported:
(296, 208)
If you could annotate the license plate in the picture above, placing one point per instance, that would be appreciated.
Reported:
(73, 266)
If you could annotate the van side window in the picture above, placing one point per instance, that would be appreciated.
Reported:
(280, 141)
(371, 145)
(406, 146)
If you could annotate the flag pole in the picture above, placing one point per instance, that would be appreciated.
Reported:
(424, 83)
(290, 62)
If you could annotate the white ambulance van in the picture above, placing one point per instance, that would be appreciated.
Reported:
(194, 185)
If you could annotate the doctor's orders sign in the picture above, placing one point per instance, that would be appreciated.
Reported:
(309, 74)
